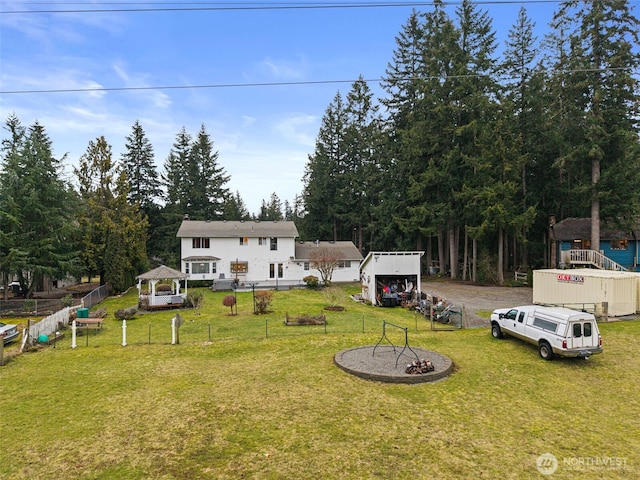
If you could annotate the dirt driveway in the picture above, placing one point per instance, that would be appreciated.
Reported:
(477, 298)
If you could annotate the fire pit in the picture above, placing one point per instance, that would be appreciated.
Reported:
(380, 363)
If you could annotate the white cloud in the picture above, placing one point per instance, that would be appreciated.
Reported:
(299, 128)
(282, 70)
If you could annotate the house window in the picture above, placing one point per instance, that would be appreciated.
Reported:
(200, 267)
(344, 264)
(274, 243)
(239, 267)
(200, 242)
(244, 241)
(581, 245)
(619, 244)
(272, 270)
(262, 240)
(186, 267)
(306, 266)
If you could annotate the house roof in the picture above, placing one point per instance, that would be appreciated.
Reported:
(201, 259)
(162, 273)
(346, 250)
(580, 228)
(236, 229)
(376, 255)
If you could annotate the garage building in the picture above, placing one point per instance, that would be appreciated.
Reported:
(389, 277)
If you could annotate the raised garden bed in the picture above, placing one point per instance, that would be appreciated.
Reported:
(305, 320)
(334, 308)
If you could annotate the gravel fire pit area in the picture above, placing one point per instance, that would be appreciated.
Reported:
(388, 364)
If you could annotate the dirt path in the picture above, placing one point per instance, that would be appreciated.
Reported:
(478, 298)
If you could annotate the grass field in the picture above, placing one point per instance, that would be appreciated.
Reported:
(247, 397)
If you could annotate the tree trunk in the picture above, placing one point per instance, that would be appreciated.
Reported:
(453, 252)
(474, 270)
(441, 256)
(465, 257)
(595, 206)
(500, 256)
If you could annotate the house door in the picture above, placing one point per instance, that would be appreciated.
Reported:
(276, 268)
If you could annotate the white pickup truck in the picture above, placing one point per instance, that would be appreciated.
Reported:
(554, 330)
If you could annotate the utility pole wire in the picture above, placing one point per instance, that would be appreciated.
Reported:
(253, 6)
(279, 84)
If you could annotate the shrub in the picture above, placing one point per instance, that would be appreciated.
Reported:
(334, 296)
(67, 300)
(125, 313)
(194, 300)
(311, 281)
(263, 300)
(229, 301)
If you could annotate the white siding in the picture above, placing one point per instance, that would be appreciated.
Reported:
(228, 250)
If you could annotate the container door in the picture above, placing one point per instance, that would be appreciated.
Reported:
(581, 335)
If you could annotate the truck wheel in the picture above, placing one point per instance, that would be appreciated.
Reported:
(545, 350)
(496, 331)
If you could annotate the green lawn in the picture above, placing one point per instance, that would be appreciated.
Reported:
(247, 397)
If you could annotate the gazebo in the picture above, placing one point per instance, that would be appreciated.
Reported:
(161, 298)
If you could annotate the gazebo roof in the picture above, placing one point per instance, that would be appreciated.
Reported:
(162, 273)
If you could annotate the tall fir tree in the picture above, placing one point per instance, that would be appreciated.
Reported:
(114, 231)
(598, 76)
(206, 180)
(38, 208)
(138, 163)
(324, 175)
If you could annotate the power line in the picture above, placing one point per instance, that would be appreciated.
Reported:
(180, 87)
(217, 6)
(285, 84)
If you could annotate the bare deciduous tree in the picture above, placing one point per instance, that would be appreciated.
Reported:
(325, 260)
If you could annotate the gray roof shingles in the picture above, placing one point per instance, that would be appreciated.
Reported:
(580, 228)
(236, 229)
(347, 250)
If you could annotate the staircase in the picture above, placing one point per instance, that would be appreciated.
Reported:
(593, 258)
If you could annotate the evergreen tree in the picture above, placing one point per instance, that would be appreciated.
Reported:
(598, 76)
(144, 182)
(137, 162)
(363, 146)
(235, 208)
(114, 231)
(205, 180)
(175, 178)
(37, 210)
(324, 175)
(12, 256)
(524, 100)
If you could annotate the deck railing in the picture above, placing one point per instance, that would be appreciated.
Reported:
(592, 257)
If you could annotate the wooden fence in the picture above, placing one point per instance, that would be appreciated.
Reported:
(47, 326)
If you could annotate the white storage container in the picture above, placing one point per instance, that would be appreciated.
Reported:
(588, 289)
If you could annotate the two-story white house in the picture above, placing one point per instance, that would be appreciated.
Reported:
(264, 253)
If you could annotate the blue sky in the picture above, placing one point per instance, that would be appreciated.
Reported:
(263, 134)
